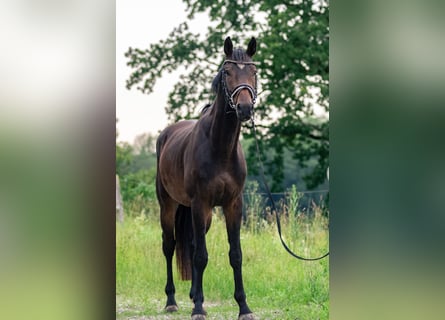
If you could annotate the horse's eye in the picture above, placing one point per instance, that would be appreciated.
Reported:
(227, 73)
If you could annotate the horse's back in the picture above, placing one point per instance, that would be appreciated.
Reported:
(178, 133)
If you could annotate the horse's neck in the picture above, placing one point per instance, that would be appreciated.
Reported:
(225, 129)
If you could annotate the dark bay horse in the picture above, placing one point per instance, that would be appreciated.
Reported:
(201, 165)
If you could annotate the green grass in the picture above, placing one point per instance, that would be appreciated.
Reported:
(277, 286)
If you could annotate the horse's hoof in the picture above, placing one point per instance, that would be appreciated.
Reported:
(198, 317)
(247, 316)
(171, 308)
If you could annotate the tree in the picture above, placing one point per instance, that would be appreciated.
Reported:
(124, 158)
(293, 53)
(136, 168)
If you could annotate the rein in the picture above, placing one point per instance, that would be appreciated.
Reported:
(229, 96)
(277, 215)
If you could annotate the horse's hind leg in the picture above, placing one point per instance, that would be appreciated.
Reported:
(168, 210)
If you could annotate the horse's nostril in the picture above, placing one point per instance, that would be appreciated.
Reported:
(244, 106)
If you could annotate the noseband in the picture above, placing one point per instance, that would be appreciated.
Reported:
(229, 96)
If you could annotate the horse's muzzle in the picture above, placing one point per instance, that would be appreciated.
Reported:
(244, 111)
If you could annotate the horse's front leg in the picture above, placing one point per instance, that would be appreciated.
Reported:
(202, 215)
(233, 214)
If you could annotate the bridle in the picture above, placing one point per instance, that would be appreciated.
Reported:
(229, 96)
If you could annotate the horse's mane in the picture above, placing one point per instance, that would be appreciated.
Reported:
(216, 81)
(205, 108)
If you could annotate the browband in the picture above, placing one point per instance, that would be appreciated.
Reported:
(241, 62)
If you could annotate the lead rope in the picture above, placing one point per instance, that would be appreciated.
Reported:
(274, 208)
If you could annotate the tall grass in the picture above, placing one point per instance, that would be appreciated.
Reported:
(254, 205)
(277, 286)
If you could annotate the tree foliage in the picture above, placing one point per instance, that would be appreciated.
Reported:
(136, 168)
(293, 52)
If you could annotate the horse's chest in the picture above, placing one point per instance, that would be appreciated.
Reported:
(224, 187)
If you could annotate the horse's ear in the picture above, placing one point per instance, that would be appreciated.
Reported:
(251, 47)
(228, 47)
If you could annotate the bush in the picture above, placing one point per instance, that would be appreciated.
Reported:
(139, 191)
(253, 207)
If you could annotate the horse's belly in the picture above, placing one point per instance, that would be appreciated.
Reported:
(179, 196)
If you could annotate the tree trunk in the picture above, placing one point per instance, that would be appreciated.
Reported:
(119, 203)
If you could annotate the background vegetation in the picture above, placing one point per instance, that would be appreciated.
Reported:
(277, 285)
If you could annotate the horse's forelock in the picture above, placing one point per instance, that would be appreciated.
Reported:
(237, 55)
(240, 55)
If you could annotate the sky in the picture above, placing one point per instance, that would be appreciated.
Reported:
(138, 24)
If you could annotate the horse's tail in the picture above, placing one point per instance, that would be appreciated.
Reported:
(184, 239)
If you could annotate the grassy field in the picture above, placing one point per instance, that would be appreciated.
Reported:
(277, 286)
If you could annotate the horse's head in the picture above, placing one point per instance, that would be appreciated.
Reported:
(239, 79)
